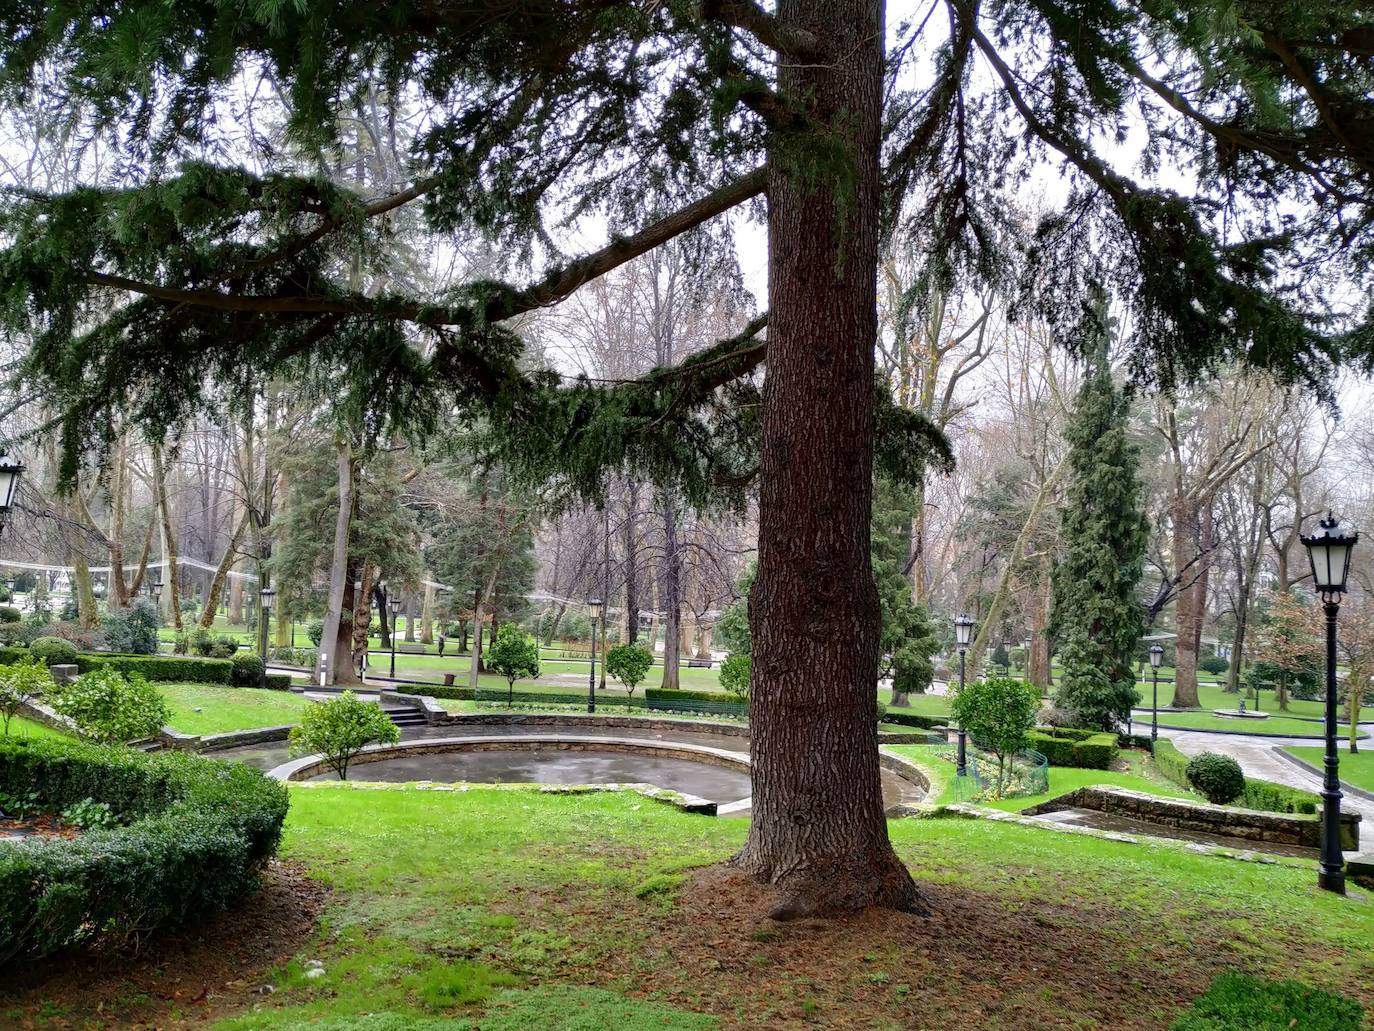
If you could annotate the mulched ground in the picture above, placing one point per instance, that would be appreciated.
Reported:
(45, 825)
(978, 962)
(173, 980)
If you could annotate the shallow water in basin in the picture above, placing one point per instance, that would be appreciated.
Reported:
(557, 766)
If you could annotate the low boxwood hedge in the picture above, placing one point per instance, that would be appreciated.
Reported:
(914, 719)
(167, 668)
(194, 834)
(1083, 749)
(1263, 795)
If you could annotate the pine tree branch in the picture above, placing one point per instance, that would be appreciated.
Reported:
(787, 40)
(551, 289)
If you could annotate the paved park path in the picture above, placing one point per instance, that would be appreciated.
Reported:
(1258, 757)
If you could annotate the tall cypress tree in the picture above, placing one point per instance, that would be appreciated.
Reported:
(1096, 613)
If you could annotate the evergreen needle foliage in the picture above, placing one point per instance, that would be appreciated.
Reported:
(1096, 613)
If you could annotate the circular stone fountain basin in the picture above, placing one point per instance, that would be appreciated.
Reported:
(1236, 714)
(706, 773)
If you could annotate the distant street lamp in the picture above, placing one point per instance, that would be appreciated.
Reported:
(595, 605)
(1329, 551)
(1156, 657)
(394, 604)
(963, 634)
(267, 596)
(155, 589)
(11, 472)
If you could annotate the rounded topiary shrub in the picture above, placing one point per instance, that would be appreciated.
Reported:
(248, 670)
(1214, 664)
(10, 614)
(187, 836)
(54, 651)
(1218, 778)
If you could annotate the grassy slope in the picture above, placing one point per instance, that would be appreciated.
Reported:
(513, 909)
(20, 727)
(1357, 769)
(229, 708)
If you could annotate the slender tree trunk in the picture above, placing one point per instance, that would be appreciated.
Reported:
(207, 618)
(339, 584)
(119, 588)
(171, 592)
(631, 564)
(427, 616)
(1187, 606)
(672, 598)
(818, 831)
(1038, 655)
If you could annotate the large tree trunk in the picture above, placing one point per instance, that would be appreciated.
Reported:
(427, 616)
(672, 598)
(362, 613)
(818, 831)
(1038, 655)
(1188, 605)
(339, 584)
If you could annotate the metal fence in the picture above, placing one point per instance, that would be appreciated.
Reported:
(1023, 774)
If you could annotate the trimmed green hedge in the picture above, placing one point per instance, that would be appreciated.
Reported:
(167, 668)
(660, 694)
(1083, 749)
(913, 719)
(1263, 795)
(195, 834)
(277, 681)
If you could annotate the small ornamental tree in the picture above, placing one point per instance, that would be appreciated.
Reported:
(339, 729)
(629, 663)
(734, 677)
(514, 654)
(112, 707)
(997, 713)
(19, 684)
(1291, 649)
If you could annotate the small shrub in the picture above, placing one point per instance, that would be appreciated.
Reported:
(628, 663)
(247, 670)
(998, 713)
(132, 630)
(1239, 1002)
(1217, 778)
(315, 631)
(734, 677)
(20, 683)
(882, 712)
(339, 729)
(513, 654)
(1214, 664)
(109, 707)
(223, 647)
(54, 651)
(10, 614)
(90, 815)
(83, 639)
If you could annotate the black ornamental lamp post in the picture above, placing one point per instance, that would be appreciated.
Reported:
(394, 604)
(595, 605)
(266, 597)
(11, 472)
(1329, 550)
(963, 635)
(1156, 657)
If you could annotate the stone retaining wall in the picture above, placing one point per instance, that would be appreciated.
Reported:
(1296, 829)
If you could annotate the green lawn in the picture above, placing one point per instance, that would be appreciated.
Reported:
(1357, 769)
(514, 910)
(21, 727)
(229, 708)
(1204, 720)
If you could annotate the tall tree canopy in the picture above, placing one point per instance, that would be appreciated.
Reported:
(171, 291)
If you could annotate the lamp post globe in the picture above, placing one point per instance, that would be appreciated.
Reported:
(963, 635)
(594, 604)
(1329, 551)
(11, 472)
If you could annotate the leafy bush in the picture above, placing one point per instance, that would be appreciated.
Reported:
(303, 657)
(89, 815)
(82, 638)
(1214, 664)
(1000, 656)
(628, 663)
(54, 651)
(514, 654)
(1217, 778)
(20, 683)
(277, 681)
(1239, 1002)
(315, 631)
(165, 668)
(998, 714)
(109, 707)
(223, 647)
(1018, 657)
(247, 670)
(10, 614)
(734, 677)
(196, 834)
(339, 729)
(132, 630)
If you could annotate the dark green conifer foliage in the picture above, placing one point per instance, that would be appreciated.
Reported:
(1096, 613)
(907, 640)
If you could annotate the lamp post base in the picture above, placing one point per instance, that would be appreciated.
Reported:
(1331, 880)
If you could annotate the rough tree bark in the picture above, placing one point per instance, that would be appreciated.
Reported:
(172, 591)
(672, 598)
(338, 569)
(631, 564)
(212, 596)
(818, 831)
